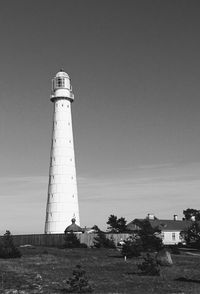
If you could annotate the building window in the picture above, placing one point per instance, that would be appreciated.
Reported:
(173, 236)
(60, 82)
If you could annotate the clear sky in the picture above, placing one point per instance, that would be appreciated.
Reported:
(135, 69)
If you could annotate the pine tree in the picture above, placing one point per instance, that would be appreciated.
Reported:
(8, 248)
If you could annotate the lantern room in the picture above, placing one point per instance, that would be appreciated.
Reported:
(61, 87)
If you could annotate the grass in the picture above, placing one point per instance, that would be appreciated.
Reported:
(45, 270)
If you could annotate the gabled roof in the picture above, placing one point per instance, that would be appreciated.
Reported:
(163, 224)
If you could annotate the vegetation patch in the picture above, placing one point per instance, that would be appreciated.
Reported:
(38, 272)
(8, 248)
(149, 266)
(78, 283)
(71, 241)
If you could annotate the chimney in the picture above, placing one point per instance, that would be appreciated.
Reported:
(192, 218)
(175, 217)
(150, 216)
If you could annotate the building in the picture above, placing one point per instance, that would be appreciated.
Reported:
(73, 228)
(170, 229)
(62, 202)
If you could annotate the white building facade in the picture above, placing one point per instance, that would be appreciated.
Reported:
(62, 202)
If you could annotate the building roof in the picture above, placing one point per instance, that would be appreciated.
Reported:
(62, 73)
(163, 224)
(73, 227)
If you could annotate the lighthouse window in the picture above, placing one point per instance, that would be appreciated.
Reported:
(59, 82)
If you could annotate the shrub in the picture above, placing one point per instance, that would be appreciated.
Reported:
(100, 241)
(71, 241)
(149, 266)
(191, 235)
(174, 249)
(78, 283)
(8, 248)
(131, 248)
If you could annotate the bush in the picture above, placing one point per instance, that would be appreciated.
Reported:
(174, 249)
(131, 248)
(78, 283)
(71, 241)
(100, 241)
(8, 248)
(191, 235)
(151, 243)
(149, 236)
(149, 266)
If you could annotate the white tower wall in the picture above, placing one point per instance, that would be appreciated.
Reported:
(62, 203)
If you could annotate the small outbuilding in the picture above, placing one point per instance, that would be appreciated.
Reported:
(73, 228)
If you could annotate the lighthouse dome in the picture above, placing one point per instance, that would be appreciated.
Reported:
(61, 74)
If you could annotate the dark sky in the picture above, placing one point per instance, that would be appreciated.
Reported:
(135, 71)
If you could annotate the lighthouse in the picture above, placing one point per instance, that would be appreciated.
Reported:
(62, 201)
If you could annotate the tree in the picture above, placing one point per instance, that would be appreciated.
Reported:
(8, 248)
(116, 225)
(149, 236)
(192, 235)
(189, 212)
(149, 266)
(132, 247)
(144, 240)
(78, 283)
(121, 223)
(71, 241)
(100, 241)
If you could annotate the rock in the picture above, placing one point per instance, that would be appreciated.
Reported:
(29, 246)
(163, 257)
(38, 277)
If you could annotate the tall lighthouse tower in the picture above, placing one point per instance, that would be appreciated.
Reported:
(62, 202)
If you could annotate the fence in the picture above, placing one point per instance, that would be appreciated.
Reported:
(56, 240)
